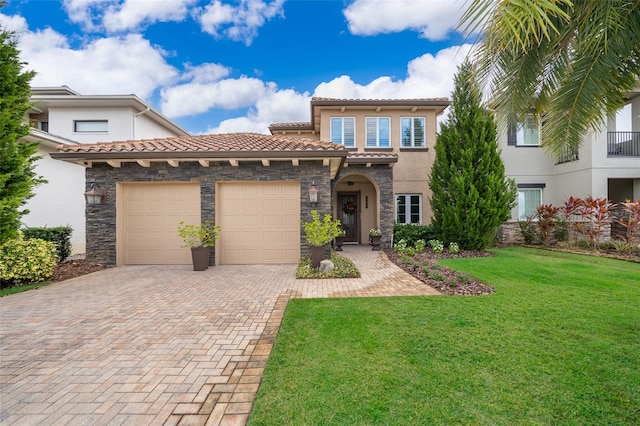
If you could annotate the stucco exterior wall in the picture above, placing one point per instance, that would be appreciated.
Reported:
(101, 219)
(60, 201)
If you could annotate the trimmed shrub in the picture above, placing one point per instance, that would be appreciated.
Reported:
(59, 235)
(26, 261)
(411, 233)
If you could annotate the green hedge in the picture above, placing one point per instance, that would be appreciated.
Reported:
(24, 261)
(412, 233)
(59, 235)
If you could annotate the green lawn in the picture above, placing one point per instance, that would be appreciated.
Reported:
(558, 343)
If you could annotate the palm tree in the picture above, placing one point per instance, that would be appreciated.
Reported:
(568, 60)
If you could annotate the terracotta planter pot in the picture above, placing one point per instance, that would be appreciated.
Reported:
(200, 258)
(317, 255)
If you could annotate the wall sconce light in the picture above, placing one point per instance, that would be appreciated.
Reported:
(313, 194)
(95, 194)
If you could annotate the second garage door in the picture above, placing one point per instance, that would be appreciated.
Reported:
(259, 221)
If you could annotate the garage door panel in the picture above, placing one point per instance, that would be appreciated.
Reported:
(259, 221)
(150, 216)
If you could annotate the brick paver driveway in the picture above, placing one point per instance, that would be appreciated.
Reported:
(158, 344)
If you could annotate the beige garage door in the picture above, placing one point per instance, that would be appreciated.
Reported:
(259, 221)
(148, 217)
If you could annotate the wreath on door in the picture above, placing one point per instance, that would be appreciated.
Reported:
(349, 207)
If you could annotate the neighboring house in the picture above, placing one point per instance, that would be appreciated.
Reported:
(368, 159)
(607, 165)
(61, 116)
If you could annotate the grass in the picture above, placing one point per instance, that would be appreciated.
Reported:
(344, 268)
(557, 344)
(21, 288)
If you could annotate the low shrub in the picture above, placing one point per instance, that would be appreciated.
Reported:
(344, 268)
(436, 246)
(454, 248)
(412, 233)
(26, 261)
(59, 235)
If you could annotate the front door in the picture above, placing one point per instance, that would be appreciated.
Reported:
(348, 209)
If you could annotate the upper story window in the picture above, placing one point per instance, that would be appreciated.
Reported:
(43, 125)
(378, 132)
(343, 130)
(526, 133)
(412, 132)
(408, 208)
(82, 126)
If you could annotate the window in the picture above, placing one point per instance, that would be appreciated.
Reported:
(378, 132)
(528, 200)
(412, 132)
(408, 208)
(80, 126)
(44, 126)
(343, 130)
(526, 133)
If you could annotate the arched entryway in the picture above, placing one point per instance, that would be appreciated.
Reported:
(357, 206)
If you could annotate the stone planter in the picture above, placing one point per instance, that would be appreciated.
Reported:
(317, 255)
(339, 243)
(374, 241)
(200, 258)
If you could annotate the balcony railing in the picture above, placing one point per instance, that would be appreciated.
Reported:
(623, 144)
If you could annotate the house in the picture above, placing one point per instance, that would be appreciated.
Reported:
(607, 165)
(368, 159)
(62, 116)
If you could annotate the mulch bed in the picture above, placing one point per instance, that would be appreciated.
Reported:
(470, 288)
(74, 268)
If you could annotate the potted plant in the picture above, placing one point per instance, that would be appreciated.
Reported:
(374, 238)
(340, 240)
(319, 233)
(200, 238)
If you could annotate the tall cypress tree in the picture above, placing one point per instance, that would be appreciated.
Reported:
(471, 195)
(17, 158)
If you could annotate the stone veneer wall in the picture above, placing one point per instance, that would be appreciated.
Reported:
(101, 219)
(382, 176)
(510, 233)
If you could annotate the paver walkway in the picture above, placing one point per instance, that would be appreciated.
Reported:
(159, 345)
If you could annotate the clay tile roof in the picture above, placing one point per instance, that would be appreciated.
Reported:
(372, 157)
(399, 101)
(219, 143)
(293, 125)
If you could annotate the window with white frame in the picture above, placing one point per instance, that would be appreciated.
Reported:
(412, 129)
(528, 200)
(81, 126)
(343, 130)
(526, 133)
(408, 208)
(378, 132)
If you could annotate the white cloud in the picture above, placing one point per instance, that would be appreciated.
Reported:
(118, 16)
(197, 97)
(132, 13)
(205, 73)
(85, 12)
(433, 19)
(99, 66)
(276, 107)
(239, 22)
(13, 23)
(428, 76)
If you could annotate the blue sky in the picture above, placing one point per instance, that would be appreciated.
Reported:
(217, 66)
